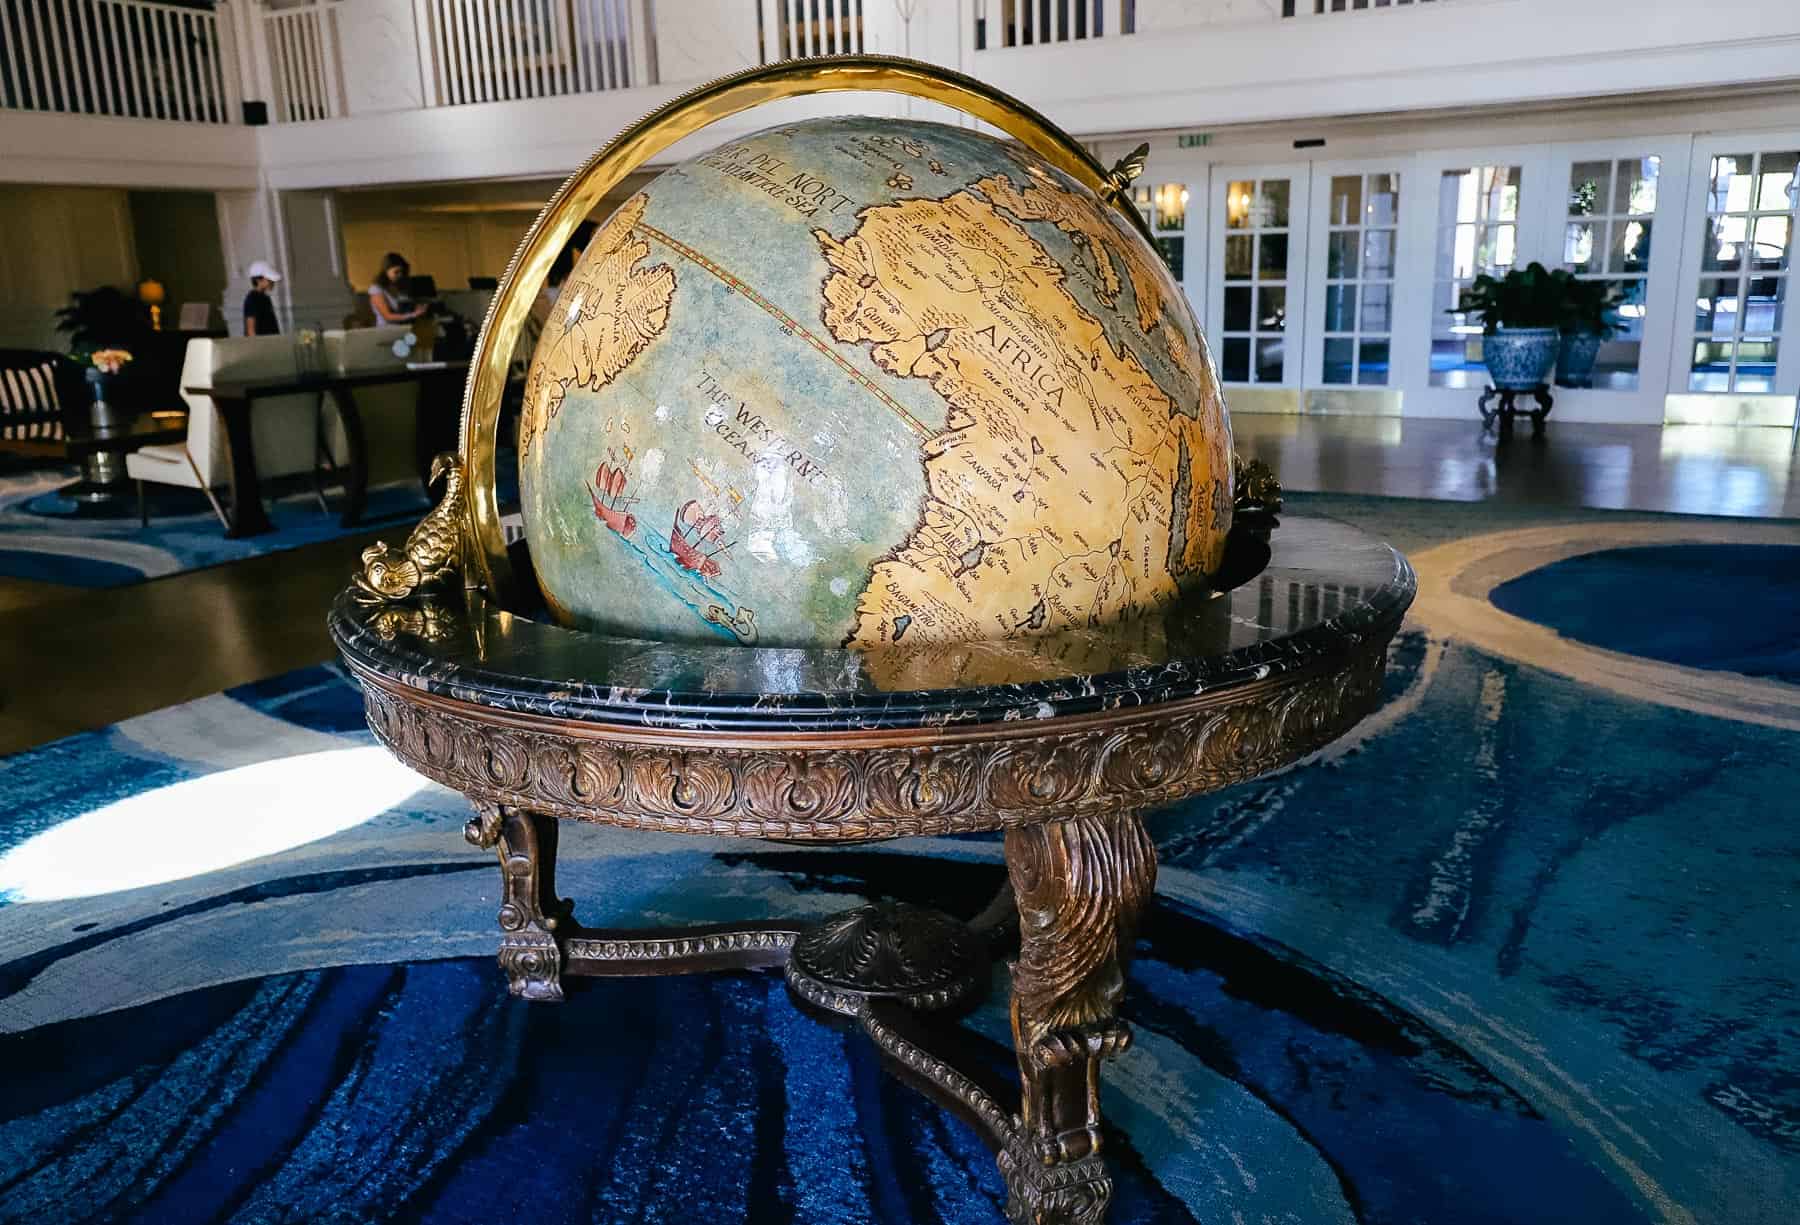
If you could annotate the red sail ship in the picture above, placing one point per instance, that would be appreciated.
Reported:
(696, 528)
(607, 491)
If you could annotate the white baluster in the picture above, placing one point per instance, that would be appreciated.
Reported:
(42, 77)
(13, 31)
(506, 37)
(118, 35)
(283, 29)
(68, 88)
(540, 52)
(484, 54)
(464, 69)
(640, 31)
(616, 28)
(80, 80)
(94, 49)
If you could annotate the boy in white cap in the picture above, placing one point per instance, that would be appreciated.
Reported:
(259, 311)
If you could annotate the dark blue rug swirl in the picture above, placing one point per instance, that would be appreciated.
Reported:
(1722, 607)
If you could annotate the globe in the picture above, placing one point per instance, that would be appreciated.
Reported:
(869, 382)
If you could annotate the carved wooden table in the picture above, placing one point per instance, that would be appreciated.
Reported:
(1063, 743)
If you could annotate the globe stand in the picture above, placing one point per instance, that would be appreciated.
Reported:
(1240, 683)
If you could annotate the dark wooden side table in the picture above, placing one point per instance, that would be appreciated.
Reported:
(539, 725)
(104, 490)
(440, 386)
(1507, 409)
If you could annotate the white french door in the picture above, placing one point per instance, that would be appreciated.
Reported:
(1612, 212)
(1742, 201)
(1354, 291)
(1257, 262)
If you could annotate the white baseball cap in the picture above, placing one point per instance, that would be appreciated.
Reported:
(262, 268)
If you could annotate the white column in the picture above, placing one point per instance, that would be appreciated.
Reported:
(318, 292)
(246, 233)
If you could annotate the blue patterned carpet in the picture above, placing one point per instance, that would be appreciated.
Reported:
(1666, 602)
(1519, 950)
(48, 539)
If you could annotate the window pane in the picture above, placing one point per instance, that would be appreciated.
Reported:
(1756, 365)
(1273, 204)
(1721, 244)
(1716, 309)
(1578, 247)
(1237, 257)
(1237, 206)
(1770, 249)
(1378, 255)
(1711, 369)
(1636, 185)
(1630, 247)
(1376, 306)
(1776, 188)
(1340, 254)
(1500, 250)
(1171, 206)
(1730, 183)
(1762, 305)
(1629, 314)
(1372, 362)
(1506, 196)
(1383, 206)
(1346, 199)
(1271, 308)
(1237, 360)
(1272, 255)
(1339, 354)
(1588, 182)
(1268, 360)
(1174, 252)
(1237, 309)
(1340, 308)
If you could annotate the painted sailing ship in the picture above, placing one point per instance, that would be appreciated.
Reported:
(697, 539)
(611, 506)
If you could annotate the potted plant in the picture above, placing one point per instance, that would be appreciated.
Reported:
(1589, 317)
(1521, 316)
(105, 328)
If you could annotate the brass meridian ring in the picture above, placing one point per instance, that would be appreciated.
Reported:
(643, 140)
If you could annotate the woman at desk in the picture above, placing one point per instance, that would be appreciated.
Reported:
(388, 296)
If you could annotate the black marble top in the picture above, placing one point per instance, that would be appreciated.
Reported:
(1326, 587)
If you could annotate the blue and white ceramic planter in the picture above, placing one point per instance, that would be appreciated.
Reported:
(1520, 358)
(1575, 362)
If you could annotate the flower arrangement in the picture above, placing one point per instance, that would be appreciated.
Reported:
(110, 361)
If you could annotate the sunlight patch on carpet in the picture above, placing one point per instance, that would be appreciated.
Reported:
(205, 824)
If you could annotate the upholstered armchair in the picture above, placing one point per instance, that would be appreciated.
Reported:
(286, 430)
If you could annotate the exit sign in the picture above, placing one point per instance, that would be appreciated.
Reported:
(1193, 140)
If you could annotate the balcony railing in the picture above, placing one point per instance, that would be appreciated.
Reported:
(499, 50)
(194, 60)
(302, 55)
(117, 57)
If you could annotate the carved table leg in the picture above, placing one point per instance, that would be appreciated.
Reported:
(1080, 885)
(530, 912)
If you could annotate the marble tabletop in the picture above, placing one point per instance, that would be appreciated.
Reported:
(1324, 588)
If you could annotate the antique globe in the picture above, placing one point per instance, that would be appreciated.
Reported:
(861, 382)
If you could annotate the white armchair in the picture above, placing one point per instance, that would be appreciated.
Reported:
(284, 430)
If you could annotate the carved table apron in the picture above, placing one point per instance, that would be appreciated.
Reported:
(1249, 680)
